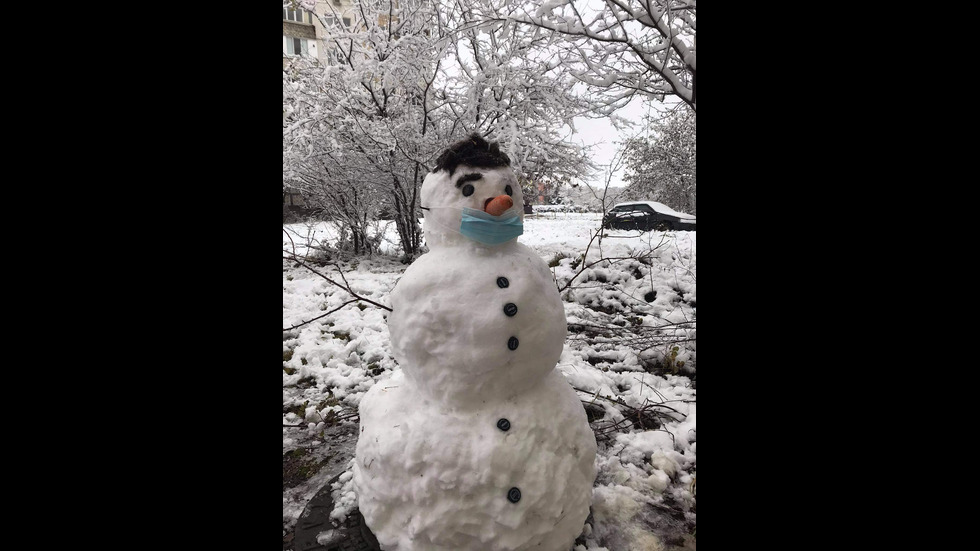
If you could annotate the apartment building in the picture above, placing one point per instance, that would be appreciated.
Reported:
(299, 34)
(303, 32)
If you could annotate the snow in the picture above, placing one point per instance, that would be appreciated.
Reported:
(643, 494)
(547, 7)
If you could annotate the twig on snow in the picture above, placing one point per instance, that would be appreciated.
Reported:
(345, 286)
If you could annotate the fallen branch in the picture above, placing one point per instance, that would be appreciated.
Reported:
(320, 317)
(638, 417)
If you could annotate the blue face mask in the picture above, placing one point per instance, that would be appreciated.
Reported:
(488, 229)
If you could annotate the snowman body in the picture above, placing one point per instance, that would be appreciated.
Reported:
(478, 443)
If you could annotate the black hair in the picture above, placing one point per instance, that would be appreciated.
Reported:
(473, 151)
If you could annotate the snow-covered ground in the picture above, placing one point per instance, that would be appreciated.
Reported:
(630, 352)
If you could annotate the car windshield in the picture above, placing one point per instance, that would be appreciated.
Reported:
(650, 207)
(631, 210)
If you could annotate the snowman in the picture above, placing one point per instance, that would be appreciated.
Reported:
(478, 442)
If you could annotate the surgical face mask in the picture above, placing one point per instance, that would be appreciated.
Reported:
(491, 230)
(483, 227)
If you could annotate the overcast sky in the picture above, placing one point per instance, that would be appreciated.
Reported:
(600, 132)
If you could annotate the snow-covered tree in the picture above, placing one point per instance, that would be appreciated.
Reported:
(664, 167)
(619, 48)
(359, 124)
(509, 88)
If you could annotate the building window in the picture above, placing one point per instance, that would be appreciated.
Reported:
(347, 21)
(297, 47)
(293, 15)
(336, 3)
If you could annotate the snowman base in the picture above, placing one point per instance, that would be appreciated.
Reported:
(353, 535)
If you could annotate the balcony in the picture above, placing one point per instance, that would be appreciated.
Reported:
(298, 30)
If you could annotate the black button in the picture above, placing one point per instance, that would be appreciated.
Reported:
(514, 495)
(510, 309)
(513, 343)
(502, 282)
(503, 425)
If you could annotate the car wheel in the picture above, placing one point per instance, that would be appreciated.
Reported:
(664, 226)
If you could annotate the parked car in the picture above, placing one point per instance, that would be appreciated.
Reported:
(647, 216)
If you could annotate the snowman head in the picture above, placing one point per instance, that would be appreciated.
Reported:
(472, 197)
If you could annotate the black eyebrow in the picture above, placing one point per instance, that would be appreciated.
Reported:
(469, 178)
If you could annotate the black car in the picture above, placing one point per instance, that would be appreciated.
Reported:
(647, 216)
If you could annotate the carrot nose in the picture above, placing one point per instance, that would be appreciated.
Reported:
(498, 205)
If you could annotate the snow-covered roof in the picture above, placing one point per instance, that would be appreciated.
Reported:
(659, 207)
